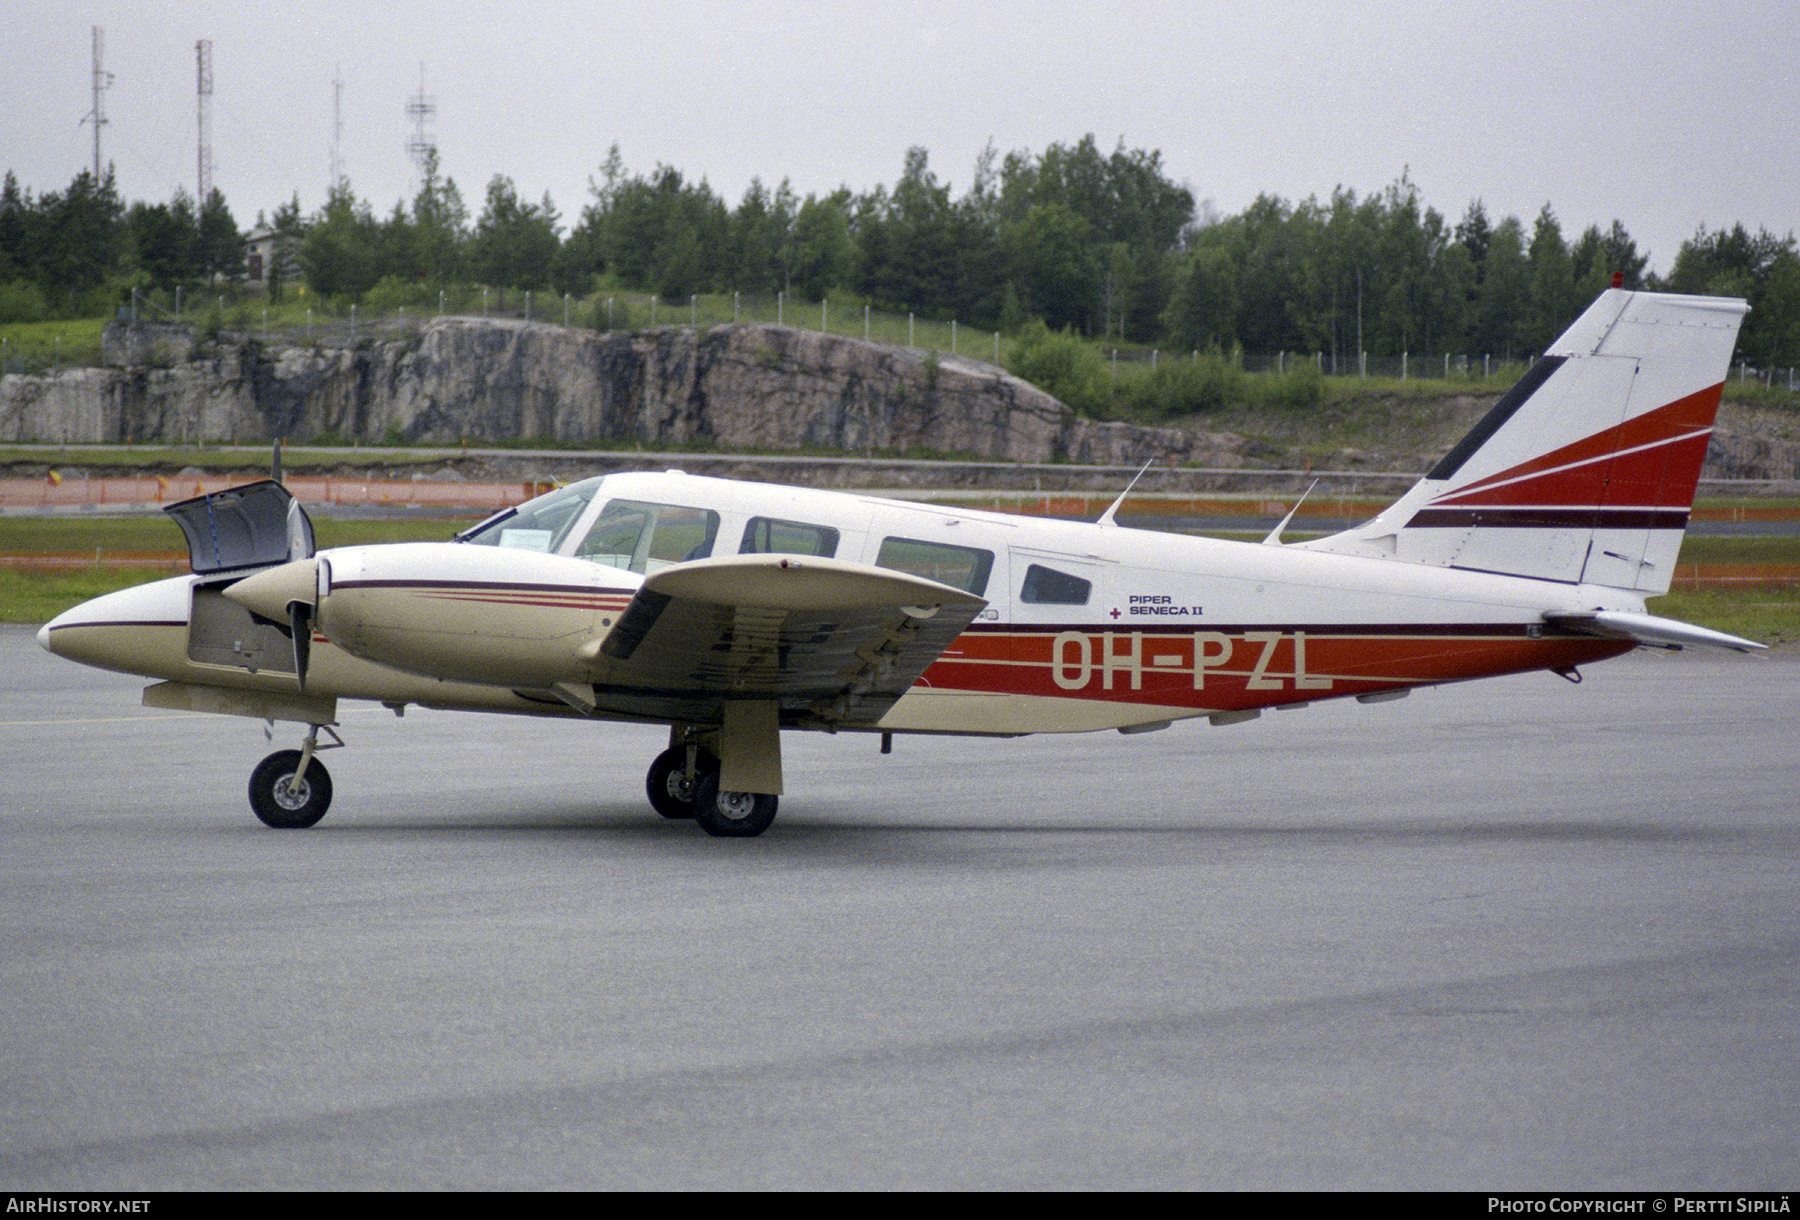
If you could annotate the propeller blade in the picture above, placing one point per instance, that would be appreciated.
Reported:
(299, 532)
(300, 621)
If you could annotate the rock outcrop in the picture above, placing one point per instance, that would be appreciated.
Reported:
(744, 387)
(1754, 442)
(748, 387)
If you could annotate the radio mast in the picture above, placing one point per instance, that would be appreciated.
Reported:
(421, 108)
(102, 82)
(337, 127)
(203, 119)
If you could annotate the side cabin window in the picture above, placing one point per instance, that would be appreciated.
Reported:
(647, 538)
(767, 536)
(537, 525)
(1048, 587)
(960, 567)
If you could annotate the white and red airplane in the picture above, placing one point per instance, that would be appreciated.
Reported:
(734, 611)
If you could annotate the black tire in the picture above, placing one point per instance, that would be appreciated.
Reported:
(283, 804)
(731, 815)
(667, 785)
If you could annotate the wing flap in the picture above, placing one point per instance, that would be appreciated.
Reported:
(830, 642)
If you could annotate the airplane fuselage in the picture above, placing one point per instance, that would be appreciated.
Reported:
(1086, 626)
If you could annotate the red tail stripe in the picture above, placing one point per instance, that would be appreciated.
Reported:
(1649, 477)
(1650, 460)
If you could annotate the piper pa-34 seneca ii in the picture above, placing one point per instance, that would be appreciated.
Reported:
(734, 611)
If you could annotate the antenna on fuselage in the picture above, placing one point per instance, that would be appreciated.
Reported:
(1106, 518)
(1274, 538)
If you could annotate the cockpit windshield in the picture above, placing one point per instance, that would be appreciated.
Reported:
(536, 525)
(646, 538)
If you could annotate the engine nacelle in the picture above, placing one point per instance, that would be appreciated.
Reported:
(462, 613)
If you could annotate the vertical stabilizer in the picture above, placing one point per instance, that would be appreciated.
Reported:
(1585, 470)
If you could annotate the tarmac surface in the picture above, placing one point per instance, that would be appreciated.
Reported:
(1509, 935)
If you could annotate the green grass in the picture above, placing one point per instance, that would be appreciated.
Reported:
(37, 597)
(841, 315)
(1343, 388)
(85, 535)
(1768, 614)
(31, 345)
(1756, 394)
(34, 347)
(1728, 548)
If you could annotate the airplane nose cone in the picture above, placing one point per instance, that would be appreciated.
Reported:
(43, 637)
(268, 592)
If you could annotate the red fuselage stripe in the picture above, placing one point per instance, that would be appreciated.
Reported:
(1226, 669)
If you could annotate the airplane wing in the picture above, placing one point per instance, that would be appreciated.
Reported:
(830, 642)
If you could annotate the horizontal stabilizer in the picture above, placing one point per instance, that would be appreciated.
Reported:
(1650, 630)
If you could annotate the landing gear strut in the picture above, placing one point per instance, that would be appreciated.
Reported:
(290, 789)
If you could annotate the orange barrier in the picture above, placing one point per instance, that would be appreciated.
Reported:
(1746, 512)
(1695, 575)
(150, 561)
(152, 491)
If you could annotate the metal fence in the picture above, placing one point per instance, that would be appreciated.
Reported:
(320, 327)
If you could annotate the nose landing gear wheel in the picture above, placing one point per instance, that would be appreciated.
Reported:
(287, 800)
(731, 815)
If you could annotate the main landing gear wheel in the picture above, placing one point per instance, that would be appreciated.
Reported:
(730, 815)
(671, 792)
(284, 799)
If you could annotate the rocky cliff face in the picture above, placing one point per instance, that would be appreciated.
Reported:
(1752, 442)
(738, 387)
(459, 379)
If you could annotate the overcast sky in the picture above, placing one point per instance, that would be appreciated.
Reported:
(1663, 115)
